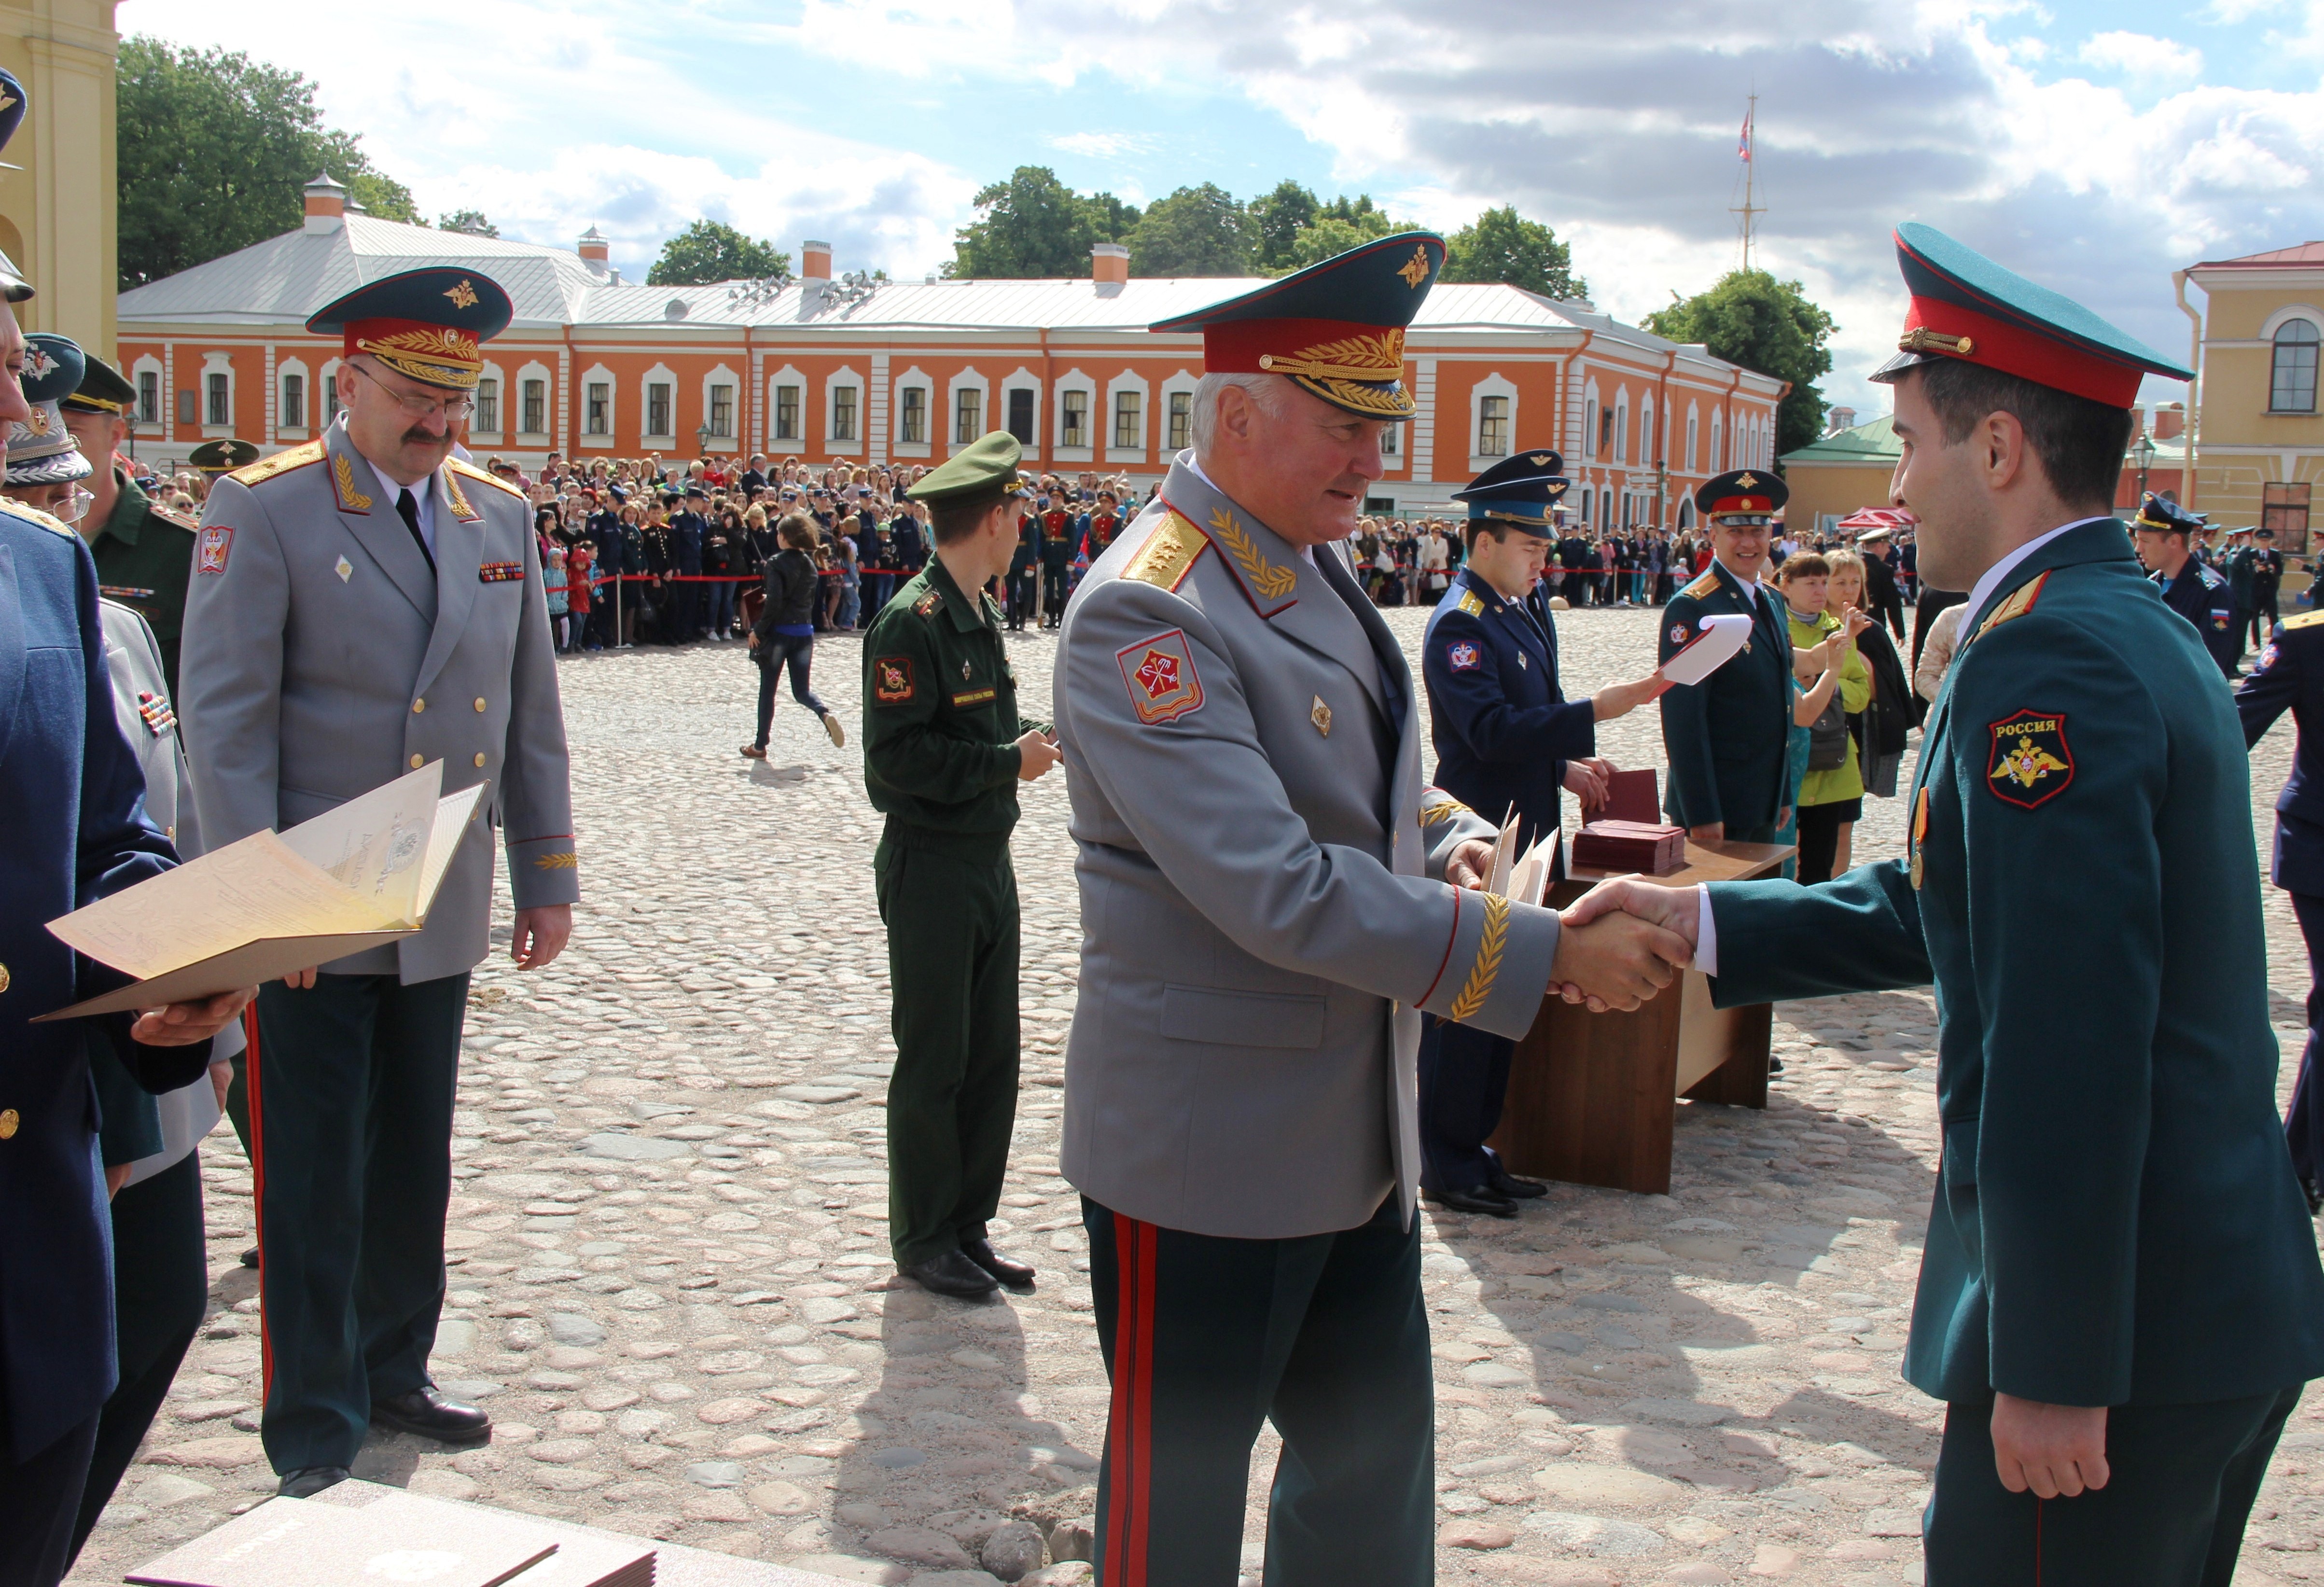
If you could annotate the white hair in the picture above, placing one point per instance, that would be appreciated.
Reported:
(1266, 391)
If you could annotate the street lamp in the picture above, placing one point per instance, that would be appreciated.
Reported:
(2144, 450)
(702, 435)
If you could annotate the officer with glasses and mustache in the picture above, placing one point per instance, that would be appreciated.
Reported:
(362, 605)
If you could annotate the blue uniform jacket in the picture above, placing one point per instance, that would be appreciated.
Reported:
(75, 803)
(2289, 677)
(2200, 594)
(2116, 1220)
(1729, 737)
(1502, 731)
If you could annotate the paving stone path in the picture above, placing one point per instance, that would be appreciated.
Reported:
(670, 1277)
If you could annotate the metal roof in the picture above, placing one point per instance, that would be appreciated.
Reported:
(1866, 445)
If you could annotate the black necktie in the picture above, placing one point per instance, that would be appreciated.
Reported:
(409, 510)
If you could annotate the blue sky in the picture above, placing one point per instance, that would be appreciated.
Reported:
(2093, 147)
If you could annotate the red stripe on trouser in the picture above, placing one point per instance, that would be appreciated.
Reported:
(2037, 1540)
(1131, 1439)
(257, 1191)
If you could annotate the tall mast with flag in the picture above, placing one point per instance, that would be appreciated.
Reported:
(1747, 209)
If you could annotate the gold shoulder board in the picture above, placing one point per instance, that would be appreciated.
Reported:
(174, 517)
(2305, 620)
(1167, 554)
(1470, 603)
(2020, 602)
(470, 471)
(1707, 584)
(33, 515)
(283, 462)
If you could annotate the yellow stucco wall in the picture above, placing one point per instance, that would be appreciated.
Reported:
(2241, 446)
(1831, 488)
(57, 217)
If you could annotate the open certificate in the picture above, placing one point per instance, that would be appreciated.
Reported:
(1721, 637)
(355, 877)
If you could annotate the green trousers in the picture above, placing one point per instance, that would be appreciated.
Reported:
(949, 900)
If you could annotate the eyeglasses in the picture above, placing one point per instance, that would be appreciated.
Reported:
(455, 409)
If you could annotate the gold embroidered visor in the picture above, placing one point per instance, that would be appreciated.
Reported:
(438, 354)
(1350, 364)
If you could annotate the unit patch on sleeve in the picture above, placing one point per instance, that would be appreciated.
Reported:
(216, 540)
(1159, 673)
(1464, 656)
(891, 680)
(2031, 764)
(499, 572)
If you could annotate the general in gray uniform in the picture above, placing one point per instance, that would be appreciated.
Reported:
(361, 605)
(1266, 911)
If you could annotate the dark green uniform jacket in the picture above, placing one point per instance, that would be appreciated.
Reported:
(145, 558)
(1729, 737)
(2115, 1219)
(940, 721)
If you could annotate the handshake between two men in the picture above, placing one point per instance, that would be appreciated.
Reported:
(1621, 943)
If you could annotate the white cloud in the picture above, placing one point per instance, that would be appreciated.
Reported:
(1103, 145)
(2142, 57)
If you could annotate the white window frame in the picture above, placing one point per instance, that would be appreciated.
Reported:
(788, 446)
(1646, 432)
(731, 442)
(513, 394)
(1718, 434)
(1072, 380)
(1622, 426)
(845, 378)
(1587, 451)
(1130, 381)
(1494, 383)
(997, 415)
(599, 375)
(476, 433)
(967, 380)
(149, 364)
(214, 363)
(286, 369)
(649, 439)
(1694, 432)
(915, 379)
(1181, 380)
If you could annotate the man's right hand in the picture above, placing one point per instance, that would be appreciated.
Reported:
(1618, 960)
(1710, 834)
(1619, 699)
(1037, 755)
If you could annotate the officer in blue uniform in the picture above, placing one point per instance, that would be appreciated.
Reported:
(2164, 532)
(2289, 677)
(77, 831)
(2120, 1298)
(1507, 739)
(1729, 737)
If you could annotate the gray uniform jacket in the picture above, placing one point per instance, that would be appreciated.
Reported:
(1263, 913)
(142, 706)
(321, 659)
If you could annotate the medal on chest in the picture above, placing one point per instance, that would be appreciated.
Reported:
(1920, 832)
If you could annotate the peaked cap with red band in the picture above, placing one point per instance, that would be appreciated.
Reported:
(1335, 329)
(429, 325)
(1742, 497)
(1966, 307)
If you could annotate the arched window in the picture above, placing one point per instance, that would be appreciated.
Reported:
(2293, 388)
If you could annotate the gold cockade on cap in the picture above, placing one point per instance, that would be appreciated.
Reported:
(1416, 269)
(462, 296)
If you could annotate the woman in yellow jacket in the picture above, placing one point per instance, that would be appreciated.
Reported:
(1832, 795)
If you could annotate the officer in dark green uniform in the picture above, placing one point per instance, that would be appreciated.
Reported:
(2120, 1298)
(223, 455)
(1729, 736)
(943, 749)
(145, 553)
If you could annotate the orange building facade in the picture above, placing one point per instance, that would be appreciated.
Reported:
(847, 370)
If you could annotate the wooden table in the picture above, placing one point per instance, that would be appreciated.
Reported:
(1593, 1098)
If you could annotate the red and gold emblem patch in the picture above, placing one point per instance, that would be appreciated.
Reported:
(891, 680)
(218, 539)
(2031, 764)
(1159, 673)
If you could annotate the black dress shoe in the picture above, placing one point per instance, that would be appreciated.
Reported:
(308, 1481)
(1016, 1275)
(1504, 1183)
(425, 1412)
(1478, 1199)
(951, 1274)
(250, 1257)
(2315, 1193)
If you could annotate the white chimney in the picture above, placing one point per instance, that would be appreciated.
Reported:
(326, 204)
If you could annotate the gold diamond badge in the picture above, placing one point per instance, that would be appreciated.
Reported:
(345, 570)
(1321, 715)
(462, 296)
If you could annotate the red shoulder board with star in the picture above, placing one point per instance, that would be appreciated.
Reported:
(1159, 673)
(2030, 764)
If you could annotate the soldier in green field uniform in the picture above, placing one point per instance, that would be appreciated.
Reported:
(943, 749)
(145, 553)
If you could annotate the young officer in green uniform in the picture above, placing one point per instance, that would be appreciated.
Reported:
(943, 749)
(2120, 1298)
(145, 553)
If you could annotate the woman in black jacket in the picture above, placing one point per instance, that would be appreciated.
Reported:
(784, 631)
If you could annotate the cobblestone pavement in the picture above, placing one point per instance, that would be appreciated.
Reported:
(669, 1278)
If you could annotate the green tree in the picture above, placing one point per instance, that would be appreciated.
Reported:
(1033, 227)
(1276, 219)
(1765, 324)
(1331, 234)
(212, 149)
(471, 221)
(712, 250)
(1502, 245)
(1194, 232)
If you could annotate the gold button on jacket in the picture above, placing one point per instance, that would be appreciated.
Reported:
(418, 706)
(4, 977)
(8, 1123)
(415, 762)
(479, 702)
(480, 758)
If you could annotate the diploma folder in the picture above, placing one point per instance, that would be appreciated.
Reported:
(357, 876)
